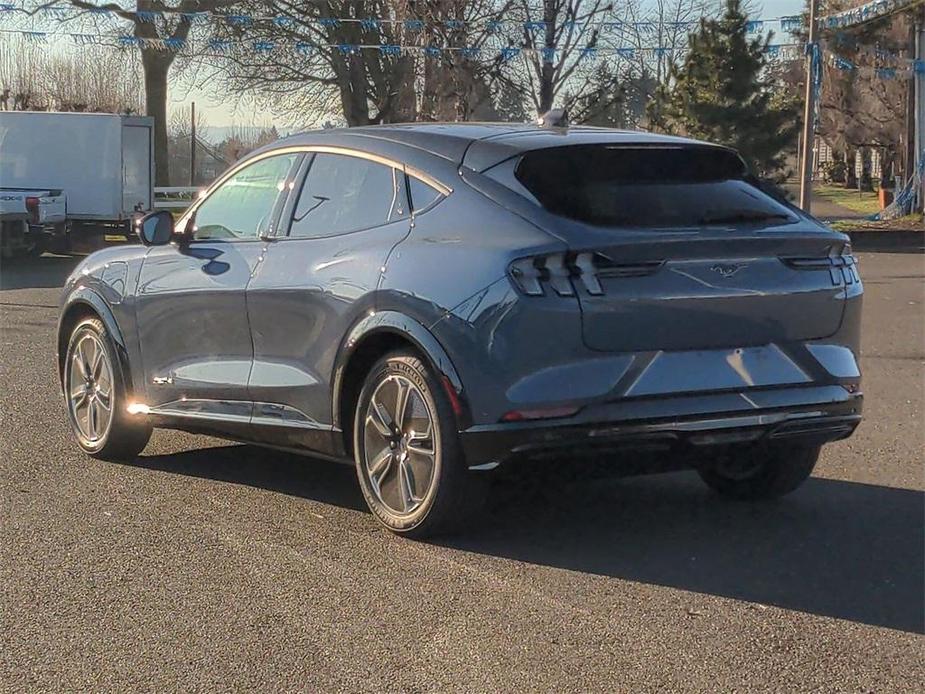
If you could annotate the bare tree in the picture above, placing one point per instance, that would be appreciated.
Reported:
(95, 79)
(160, 28)
(556, 36)
(366, 61)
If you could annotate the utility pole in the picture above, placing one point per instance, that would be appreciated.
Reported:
(919, 112)
(809, 137)
(192, 145)
(910, 126)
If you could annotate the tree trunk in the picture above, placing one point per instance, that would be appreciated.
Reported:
(867, 185)
(156, 66)
(851, 176)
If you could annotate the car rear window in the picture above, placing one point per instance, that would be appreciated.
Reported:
(666, 187)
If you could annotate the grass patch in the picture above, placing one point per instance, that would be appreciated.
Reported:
(913, 222)
(862, 203)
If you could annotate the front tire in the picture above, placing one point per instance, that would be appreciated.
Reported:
(762, 472)
(95, 396)
(408, 459)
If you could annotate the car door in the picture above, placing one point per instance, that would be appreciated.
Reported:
(318, 276)
(191, 307)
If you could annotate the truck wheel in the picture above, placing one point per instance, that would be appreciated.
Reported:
(95, 396)
(35, 246)
(761, 472)
(407, 453)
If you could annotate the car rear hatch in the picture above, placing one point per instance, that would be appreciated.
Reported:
(674, 248)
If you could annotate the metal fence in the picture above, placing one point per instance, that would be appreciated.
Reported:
(175, 198)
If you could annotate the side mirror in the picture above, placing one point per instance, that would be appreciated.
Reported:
(155, 228)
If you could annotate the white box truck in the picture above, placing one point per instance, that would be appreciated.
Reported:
(101, 164)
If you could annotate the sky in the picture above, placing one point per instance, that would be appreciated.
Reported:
(219, 113)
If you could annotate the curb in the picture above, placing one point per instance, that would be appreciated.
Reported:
(881, 239)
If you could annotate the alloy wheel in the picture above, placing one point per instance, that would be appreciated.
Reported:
(90, 388)
(400, 445)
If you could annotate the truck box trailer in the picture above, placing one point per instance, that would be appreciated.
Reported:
(101, 163)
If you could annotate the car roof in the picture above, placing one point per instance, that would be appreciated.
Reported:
(479, 146)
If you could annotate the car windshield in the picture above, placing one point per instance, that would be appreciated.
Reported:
(652, 187)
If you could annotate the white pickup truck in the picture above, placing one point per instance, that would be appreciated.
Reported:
(28, 218)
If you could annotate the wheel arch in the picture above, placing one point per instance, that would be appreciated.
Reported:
(368, 341)
(85, 303)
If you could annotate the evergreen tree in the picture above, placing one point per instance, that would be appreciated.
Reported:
(723, 92)
(603, 105)
(510, 105)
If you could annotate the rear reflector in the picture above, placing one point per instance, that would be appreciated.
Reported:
(548, 413)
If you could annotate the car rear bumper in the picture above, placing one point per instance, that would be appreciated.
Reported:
(812, 416)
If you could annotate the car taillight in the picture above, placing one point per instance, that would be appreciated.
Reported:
(32, 207)
(532, 274)
(557, 270)
(565, 272)
(840, 263)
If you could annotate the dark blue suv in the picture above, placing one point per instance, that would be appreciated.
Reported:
(432, 301)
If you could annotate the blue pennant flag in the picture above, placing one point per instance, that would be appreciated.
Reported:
(454, 24)
(303, 48)
(662, 52)
(128, 41)
(549, 54)
(774, 50)
(174, 44)
(432, 51)
(509, 52)
(495, 27)
(347, 48)
(241, 20)
(569, 25)
(919, 67)
(534, 26)
(193, 17)
(612, 27)
(147, 16)
(645, 27)
(754, 26)
(843, 64)
(83, 39)
(263, 46)
(390, 49)
(626, 52)
(414, 25)
(219, 45)
(371, 24)
(284, 21)
(470, 52)
(589, 53)
(35, 36)
(791, 24)
(886, 73)
(7, 8)
(329, 22)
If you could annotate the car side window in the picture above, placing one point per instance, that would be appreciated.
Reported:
(242, 207)
(422, 194)
(343, 193)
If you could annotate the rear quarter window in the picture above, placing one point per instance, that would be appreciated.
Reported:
(652, 187)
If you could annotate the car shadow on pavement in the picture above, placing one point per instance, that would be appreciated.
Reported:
(833, 548)
(45, 272)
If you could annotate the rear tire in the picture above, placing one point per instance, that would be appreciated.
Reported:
(762, 472)
(96, 397)
(406, 448)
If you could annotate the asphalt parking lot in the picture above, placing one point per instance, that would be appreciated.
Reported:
(207, 565)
